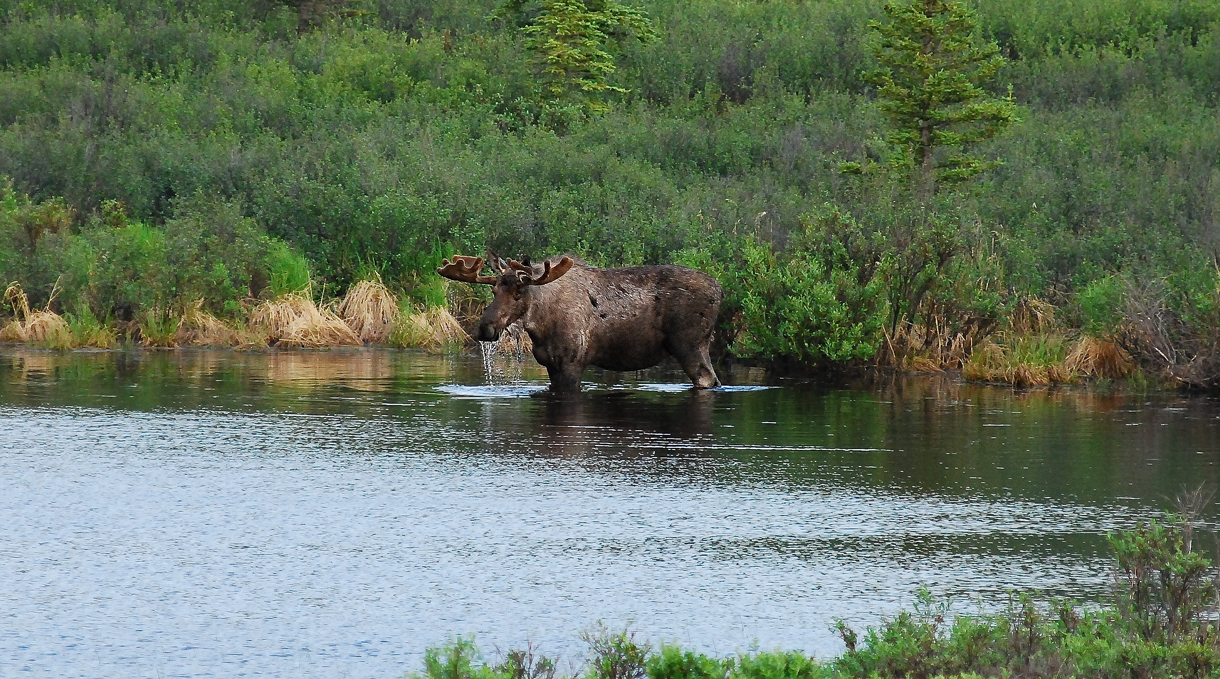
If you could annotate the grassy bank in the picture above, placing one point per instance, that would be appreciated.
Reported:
(162, 153)
(368, 314)
(1160, 623)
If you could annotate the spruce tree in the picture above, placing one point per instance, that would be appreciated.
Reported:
(571, 41)
(930, 82)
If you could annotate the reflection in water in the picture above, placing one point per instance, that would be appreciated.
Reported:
(332, 513)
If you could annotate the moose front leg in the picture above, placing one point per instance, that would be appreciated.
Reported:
(697, 365)
(565, 379)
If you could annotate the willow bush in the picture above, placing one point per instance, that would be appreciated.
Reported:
(373, 139)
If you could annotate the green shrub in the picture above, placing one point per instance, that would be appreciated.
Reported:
(778, 665)
(816, 302)
(615, 655)
(671, 662)
(455, 660)
(38, 248)
(1101, 305)
(128, 273)
(212, 252)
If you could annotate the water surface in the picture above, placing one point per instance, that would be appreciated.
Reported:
(331, 514)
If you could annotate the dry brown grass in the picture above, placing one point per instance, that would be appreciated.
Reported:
(40, 326)
(369, 309)
(932, 348)
(1099, 358)
(1037, 359)
(432, 329)
(514, 340)
(1032, 316)
(293, 320)
(198, 328)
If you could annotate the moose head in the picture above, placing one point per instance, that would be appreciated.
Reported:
(511, 286)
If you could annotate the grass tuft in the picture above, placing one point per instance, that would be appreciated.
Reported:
(293, 320)
(38, 326)
(1099, 358)
(433, 329)
(87, 331)
(1023, 360)
(932, 347)
(159, 328)
(201, 329)
(369, 309)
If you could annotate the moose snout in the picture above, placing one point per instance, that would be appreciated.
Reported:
(488, 332)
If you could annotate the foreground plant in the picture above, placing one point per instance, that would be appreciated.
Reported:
(1162, 624)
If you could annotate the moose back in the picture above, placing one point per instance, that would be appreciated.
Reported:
(617, 319)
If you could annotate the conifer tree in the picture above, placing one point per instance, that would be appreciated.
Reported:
(571, 42)
(930, 82)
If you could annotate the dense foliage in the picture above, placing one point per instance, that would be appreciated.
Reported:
(374, 136)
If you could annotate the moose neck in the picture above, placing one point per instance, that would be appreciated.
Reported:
(541, 314)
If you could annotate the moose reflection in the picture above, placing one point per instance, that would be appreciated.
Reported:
(617, 319)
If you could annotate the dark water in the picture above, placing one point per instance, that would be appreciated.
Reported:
(332, 514)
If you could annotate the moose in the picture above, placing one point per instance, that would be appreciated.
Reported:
(578, 315)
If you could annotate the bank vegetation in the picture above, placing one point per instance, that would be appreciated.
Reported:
(233, 173)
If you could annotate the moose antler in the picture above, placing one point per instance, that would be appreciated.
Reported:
(496, 262)
(465, 269)
(549, 273)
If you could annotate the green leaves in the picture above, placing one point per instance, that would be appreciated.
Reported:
(821, 302)
(571, 42)
(930, 87)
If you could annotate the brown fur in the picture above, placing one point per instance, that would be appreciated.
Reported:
(616, 319)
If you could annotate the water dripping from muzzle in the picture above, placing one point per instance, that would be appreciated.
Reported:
(504, 358)
(490, 350)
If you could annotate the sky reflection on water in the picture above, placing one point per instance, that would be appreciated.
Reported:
(205, 513)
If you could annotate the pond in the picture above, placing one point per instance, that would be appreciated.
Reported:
(332, 514)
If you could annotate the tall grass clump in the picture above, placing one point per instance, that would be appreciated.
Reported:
(38, 326)
(432, 329)
(294, 320)
(201, 329)
(159, 328)
(1021, 360)
(288, 270)
(369, 309)
(88, 331)
(1099, 358)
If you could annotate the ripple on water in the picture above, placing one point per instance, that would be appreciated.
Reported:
(341, 524)
(491, 390)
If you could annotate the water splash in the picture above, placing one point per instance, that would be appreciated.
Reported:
(504, 359)
(490, 351)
